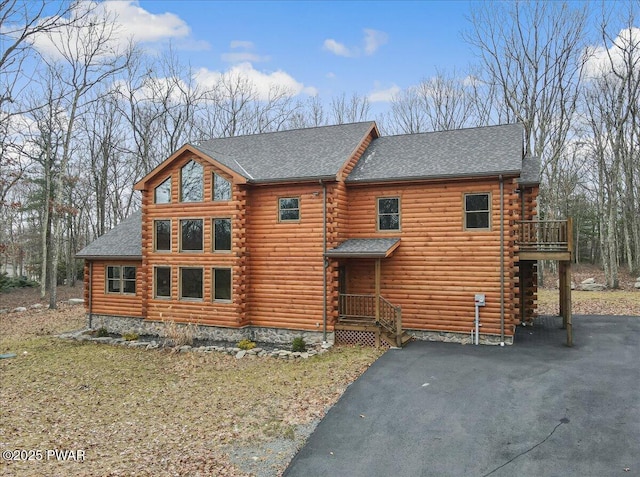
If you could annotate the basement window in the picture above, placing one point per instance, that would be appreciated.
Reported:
(477, 211)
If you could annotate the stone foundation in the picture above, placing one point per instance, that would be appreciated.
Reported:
(462, 338)
(126, 324)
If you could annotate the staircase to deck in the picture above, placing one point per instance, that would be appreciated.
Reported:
(370, 320)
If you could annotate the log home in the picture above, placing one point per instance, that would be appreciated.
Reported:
(331, 233)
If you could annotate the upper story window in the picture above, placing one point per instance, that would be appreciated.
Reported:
(121, 279)
(477, 211)
(221, 188)
(191, 182)
(289, 209)
(162, 193)
(388, 213)
(162, 235)
(221, 235)
(191, 235)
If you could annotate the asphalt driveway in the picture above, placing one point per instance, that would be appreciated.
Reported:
(536, 408)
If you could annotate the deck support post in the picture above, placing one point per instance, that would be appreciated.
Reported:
(565, 299)
(377, 291)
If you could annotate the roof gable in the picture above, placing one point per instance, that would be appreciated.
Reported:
(473, 152)
(186, 149)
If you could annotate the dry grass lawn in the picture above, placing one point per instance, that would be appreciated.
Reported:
(608, 302)
(151, 413)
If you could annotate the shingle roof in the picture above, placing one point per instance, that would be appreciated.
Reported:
(122, 241)
(364, 248)
(530, 170)
(289, 155)
(465, 152)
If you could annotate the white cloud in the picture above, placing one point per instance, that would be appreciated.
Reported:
(263, 83)
(600, 61)
(383, 95)
(127, 20)
(337, 48)
(242, 56)
(144, 26)
(247, 45)
(374, 39)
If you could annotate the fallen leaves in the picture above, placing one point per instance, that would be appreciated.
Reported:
(138, 412)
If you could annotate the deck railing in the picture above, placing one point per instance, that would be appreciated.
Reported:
(384, 313)
(545, 235)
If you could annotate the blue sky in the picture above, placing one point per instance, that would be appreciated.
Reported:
(329, 47)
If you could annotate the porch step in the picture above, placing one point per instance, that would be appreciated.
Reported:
(391, 338)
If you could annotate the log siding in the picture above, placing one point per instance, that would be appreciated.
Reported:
(277, 265)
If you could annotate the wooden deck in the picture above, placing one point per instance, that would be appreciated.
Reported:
(549, 240)
(545, 240)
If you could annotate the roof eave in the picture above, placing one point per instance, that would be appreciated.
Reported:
(474, 175)
(285, 180)
(109, 257)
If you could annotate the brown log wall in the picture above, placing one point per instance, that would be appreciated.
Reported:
(439, 266)
(285, 258)
(205, 311)
(116, 304)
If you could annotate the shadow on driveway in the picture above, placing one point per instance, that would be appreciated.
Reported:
(536, 408)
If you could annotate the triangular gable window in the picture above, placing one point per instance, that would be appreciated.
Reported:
(162, 193)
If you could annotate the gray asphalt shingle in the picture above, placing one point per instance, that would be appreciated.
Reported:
(368, 247)
(122, 241)
(288, 155)
(461, 153)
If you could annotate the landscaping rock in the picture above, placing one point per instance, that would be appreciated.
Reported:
(588, 281)
(240, 354)
(75, 301)
(4, 311)
(36, 306)
(19, 309)
(592, 287)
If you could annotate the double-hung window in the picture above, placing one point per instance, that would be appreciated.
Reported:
(388, 213)
(289, 209)
(477, 211)
(121, 279)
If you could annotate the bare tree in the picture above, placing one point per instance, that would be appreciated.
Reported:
(350, 110)
(533, 52)
(87, 56)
